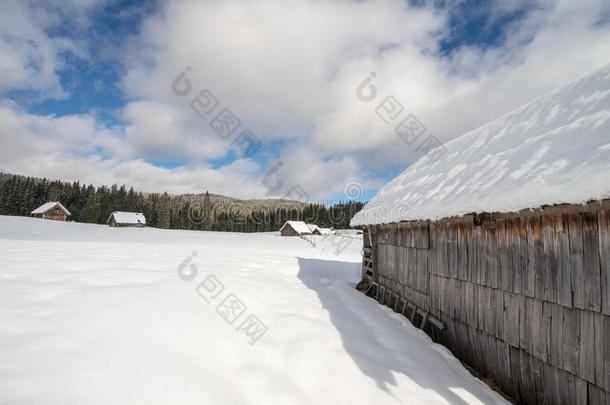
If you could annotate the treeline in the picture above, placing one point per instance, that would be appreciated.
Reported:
(19, 195)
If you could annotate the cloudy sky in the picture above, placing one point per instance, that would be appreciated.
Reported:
(261, 98)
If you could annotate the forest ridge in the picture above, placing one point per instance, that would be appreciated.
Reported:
(19, 195)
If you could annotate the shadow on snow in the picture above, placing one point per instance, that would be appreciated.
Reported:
(376, 342)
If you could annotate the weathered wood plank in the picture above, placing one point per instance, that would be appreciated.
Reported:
(528, 278)
(504, 364)
(556, 336)
(400, 253)
(523, 323)
(562, 254)
(482, 298)
(538, 376)
(536, 255)
(504, 275)
(432, 256)
(490, 274)
(567, 387)
(440, 293)
(426, 235)
(581, 392)
(529, 320)
(452, 259)
(493, 365)
(511, 318)
(587, 346)
(592, 269)
(527, 387)
(571, 340)
(596, 395)
(410, 236)
(539, 332)
(599, 350)
(515, 373)
(546, 327)
(462, 251)
(415, 269)
(499, 315)
(480, 352)
(442, 250)
(463, 306)
(409, 275)
(516, 254)
(398, 264)
(433, 292)
(425, 254)
(603, 221)
(550, 263)
(577, 260)
(607, 353)
(473, 259)
(479, 270)
(551, 383)
(417, 243)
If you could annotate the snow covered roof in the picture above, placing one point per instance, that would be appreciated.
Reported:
(325, 231)
(50, 205)
(300, 227)
(122, 217)
(314, 228)
(553, 150)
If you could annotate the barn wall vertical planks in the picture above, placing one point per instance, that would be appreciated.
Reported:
(524, 297)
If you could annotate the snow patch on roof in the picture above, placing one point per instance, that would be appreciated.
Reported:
(122, 217)
(47, 206)
(553, 150)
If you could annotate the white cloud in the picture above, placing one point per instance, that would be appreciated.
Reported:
(31, 57)
(289, 70)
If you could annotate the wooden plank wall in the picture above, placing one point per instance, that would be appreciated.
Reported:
(525, 298)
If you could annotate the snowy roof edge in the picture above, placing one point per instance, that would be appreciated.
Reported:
(544, 128)
(48, 205)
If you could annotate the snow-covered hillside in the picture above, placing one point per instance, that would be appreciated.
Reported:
(97, 315)
(553, 150)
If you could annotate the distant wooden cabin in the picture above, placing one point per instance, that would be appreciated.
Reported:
(473, 244)
(52, 210)
(327, 231)
(316, 230)
(122, 219)
(295, 228)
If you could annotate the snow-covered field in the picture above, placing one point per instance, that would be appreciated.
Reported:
(97, 315)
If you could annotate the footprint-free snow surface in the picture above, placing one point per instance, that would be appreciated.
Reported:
(97, 315)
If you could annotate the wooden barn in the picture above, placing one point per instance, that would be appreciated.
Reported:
(500, 249)
(316, 230)
(51, 210)
(123, 219)
(295, 228)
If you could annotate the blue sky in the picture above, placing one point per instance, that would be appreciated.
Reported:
(103, 70)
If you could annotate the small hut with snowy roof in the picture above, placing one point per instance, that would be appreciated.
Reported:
(122, 218)
(500, 249)
(315, 229)
(51, 210)
(295, 228)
